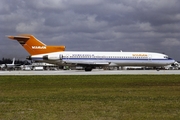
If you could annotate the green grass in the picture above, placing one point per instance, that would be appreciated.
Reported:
(111, 97)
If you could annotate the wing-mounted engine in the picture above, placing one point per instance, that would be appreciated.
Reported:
(53, 57)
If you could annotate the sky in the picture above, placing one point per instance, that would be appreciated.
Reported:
(92, 25)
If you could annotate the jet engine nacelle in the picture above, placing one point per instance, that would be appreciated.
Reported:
(53, 57)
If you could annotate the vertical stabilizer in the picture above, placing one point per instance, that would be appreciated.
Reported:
(34, 46)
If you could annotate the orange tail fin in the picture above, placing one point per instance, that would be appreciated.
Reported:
(34, 46)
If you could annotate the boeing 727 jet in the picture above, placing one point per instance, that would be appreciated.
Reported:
(57, 55)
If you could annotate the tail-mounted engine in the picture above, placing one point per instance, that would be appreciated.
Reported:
(53, 57)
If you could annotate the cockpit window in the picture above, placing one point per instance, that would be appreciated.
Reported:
(165, 56)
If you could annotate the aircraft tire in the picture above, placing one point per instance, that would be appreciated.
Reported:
(87, 69)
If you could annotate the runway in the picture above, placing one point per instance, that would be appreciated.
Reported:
(94, 72)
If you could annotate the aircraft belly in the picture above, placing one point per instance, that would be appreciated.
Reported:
(130, 62)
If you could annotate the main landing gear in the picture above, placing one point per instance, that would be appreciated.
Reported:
(88, 68)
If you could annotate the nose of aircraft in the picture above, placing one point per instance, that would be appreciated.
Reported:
(172, 61)
(175, 64)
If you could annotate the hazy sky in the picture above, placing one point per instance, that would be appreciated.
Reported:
(92, 25)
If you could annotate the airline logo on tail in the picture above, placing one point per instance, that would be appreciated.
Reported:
(38, 47)
(34, 46)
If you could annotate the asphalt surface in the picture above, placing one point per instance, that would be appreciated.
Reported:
(93, 72)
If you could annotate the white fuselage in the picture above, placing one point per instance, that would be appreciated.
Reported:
(105, 58)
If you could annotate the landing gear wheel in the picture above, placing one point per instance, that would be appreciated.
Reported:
(87, 69)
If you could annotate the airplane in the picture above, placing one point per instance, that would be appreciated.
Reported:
(10, 66)
(40, 52)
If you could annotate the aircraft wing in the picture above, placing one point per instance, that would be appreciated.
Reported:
(91, 63)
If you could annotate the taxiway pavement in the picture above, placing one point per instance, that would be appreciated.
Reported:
(94, 72)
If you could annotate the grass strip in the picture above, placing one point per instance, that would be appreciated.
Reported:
(86, 97)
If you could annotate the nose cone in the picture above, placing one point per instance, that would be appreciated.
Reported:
(171, 61)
